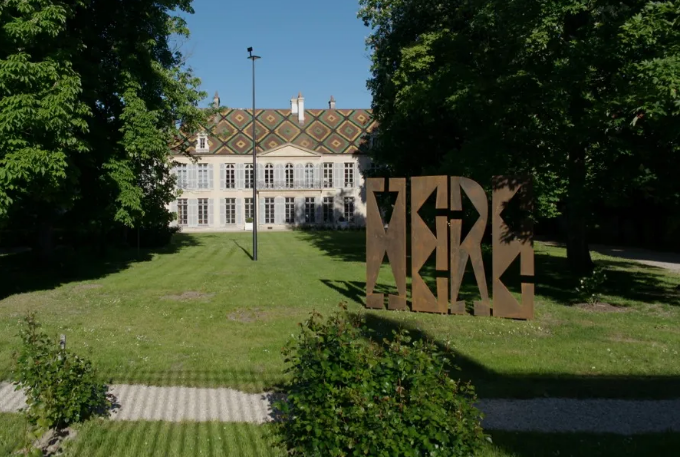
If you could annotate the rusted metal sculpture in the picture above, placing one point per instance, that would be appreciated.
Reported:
(507, 245)
(471, 247)
(423, 242)
(391, 242)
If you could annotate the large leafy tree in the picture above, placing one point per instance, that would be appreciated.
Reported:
(91, 97)
(581, 94)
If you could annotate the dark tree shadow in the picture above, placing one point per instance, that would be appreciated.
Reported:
(21, 272)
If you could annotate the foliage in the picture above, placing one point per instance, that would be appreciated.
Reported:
(249, 220)
(92, 95)
(61, 387)
(348, 396)
(590, 286)
(580, 94)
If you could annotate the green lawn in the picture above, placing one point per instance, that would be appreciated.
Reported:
(163, 439)
(201, 313)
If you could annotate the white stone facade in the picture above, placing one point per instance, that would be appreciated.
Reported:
(295, 186)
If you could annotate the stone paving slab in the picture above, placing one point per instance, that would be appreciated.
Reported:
(176, 404)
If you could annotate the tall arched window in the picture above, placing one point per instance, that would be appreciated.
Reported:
(309, 175)
(269, 176)
(289, 176)
(249, 175)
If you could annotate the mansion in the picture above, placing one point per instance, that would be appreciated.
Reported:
(309, 169)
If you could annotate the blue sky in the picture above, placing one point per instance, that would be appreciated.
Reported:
(311, 46)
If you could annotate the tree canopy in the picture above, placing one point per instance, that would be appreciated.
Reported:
(91, 95)
(581, 94)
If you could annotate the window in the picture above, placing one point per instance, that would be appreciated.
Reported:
(328, 209)
(289, 176)
(202, 211)
(182, 176)
(269, 210)
(249, 175)
(202, 143)
(328, 175)
(203, 176)
(183, 211)
(349, 174)
(269, 176)
(349, 209)
(249, 208)
(290, 210)
(310, 210)
(229, 176)
(230, 211)
(309, 176)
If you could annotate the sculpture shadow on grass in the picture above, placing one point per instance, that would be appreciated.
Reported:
(21, 272)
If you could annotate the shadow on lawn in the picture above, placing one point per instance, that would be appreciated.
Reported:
(20, 272)
(626, 280)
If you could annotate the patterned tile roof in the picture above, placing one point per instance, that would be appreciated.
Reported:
(334, 131)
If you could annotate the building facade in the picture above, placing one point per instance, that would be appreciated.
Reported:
(310, 169)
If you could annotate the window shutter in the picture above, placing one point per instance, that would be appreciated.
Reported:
(211, 211)
(173, 211)
(240, 176)
(239, 211)
(211, 172)
(193, 212)
(260, 176)
(260, 209)
(279, 210)
(191, 171)
(338, 208)
(279, 178)
(355, 174)
(299, 176)
(223, 176)
(299, 210)
(223, 210)
(338, 175)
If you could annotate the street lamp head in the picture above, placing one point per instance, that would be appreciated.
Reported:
(251, 56)
(250, 49)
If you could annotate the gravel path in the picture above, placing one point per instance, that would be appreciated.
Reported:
(177, 404)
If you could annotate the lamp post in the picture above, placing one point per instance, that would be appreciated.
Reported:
(254, 175)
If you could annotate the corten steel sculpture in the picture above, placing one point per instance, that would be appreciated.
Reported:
(507, 245)
(391, 242)
(471, 247)
(423, 242)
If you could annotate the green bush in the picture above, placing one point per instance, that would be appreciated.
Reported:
(61, 388)
(590, 286)
(350, 396)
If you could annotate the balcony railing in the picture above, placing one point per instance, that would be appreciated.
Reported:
(300, 184)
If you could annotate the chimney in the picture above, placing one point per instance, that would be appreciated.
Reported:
(216, 100)
(293, 106)
(301, 108)
(331, 104)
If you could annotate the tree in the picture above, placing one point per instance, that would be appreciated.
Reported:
(582, 95)
(91, 98)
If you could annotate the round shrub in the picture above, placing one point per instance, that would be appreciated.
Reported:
(351, 396)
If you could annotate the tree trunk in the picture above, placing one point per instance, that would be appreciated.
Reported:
(578, 254)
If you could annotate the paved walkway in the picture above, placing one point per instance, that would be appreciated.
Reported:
(666, 260)
(177, 404)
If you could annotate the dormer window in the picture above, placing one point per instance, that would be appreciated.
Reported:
(202, 143)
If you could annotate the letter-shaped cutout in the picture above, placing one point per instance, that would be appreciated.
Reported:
(506, 247)
(471, 247)
(392, 243)
(423, 242)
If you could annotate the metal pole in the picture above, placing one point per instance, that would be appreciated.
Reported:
(254, 58)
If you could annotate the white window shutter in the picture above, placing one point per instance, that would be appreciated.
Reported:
(299, 175)
(338, 208)
(299, 210)
(211, 173)
(211, 211)
(279, 210)
(223, 210)
(260, 175)
(279, 178)
(355, 178)
(338, 174)
(193, 212)
(317, 175)
(240, 176)
(192, 181)
(260, 210)
(223, 176)
(239, 211)
(319, 210)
